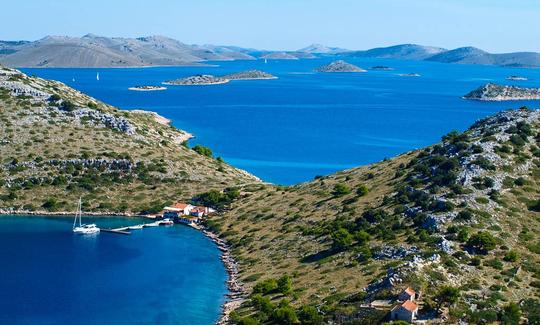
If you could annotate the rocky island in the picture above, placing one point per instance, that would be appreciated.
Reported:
(494, 92)
(339, 66)
(216, 80)
(409, 75)
(382, 68)
(147, 88)
(197, 80)
(250, 75)
(516, 78)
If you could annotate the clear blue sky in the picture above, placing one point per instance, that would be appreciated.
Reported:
(494, 25)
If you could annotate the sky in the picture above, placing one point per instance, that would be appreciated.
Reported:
(493, 25)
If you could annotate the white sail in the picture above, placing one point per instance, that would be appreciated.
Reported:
(97, 76)
(80, 228)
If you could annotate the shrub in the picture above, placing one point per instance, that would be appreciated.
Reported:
(341, 189)
(284, 285)
(482, 242)
(202, 150)
(67, 106)
(285, 315)
(266, 286)
(309, 315)
(362, 190)
(511, 256)
(511, 314)
(341, 239)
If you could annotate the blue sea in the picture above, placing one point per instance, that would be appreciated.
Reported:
(159, 275)
(305, 124)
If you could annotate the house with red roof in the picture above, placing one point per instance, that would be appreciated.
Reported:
(177, 210)
(406, 311)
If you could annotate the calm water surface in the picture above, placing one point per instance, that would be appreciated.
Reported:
(304, 124)
(165, 275)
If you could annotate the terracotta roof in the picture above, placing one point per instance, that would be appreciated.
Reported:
(410, 291)
(180, 205)
(409, 305)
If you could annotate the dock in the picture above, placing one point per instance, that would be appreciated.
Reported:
(125, 230)
(120, 231)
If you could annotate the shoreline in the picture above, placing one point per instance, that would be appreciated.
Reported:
(235, 297)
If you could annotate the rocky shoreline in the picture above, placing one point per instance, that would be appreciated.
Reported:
(236, 296)
(494, 92)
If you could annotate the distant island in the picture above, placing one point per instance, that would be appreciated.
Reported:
(250, 75)
(494, 92)
(516, 78)
(147, 88)
(409, 75)
(205, 79)
(197, 80)
(339, 66)
(101, 51)
(382, 68)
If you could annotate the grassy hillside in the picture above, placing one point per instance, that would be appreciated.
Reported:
(464, 213)
(57, 144)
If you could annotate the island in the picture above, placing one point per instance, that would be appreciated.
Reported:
(250, 75)
(147, 88)
(516, 78)
(339, 66)
(197, 80)
(382, 68)
(409, 75)
(494, 92)
(205, 79)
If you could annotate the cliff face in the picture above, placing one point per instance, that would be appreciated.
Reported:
(493, 92)
(463, 213)
(58, 144)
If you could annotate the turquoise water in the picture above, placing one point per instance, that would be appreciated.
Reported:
(165, 275)
(303, 124)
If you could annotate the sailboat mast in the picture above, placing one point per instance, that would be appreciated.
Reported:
(80, 212)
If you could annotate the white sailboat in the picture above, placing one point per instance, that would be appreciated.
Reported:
(97, 76)
(82, 228)
(265, 61)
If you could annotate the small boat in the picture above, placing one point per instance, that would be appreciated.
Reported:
(265, 61)
(135, 227)
(166, 222)
(97, 76)
(82, 228)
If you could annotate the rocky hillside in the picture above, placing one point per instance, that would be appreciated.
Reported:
(458, 222)
(339, 66)
(403, 52)
(493, 92)
(58, 144)
(98, 51)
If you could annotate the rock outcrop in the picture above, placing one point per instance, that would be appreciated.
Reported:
(339, 66)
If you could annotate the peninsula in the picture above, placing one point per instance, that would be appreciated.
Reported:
(339, 66)
(494, 92)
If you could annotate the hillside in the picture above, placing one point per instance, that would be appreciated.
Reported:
(322, 49)
(403, 52)
(472, 55)
(98, 51)
(58, 144)
(463, 55)
(457, 221)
